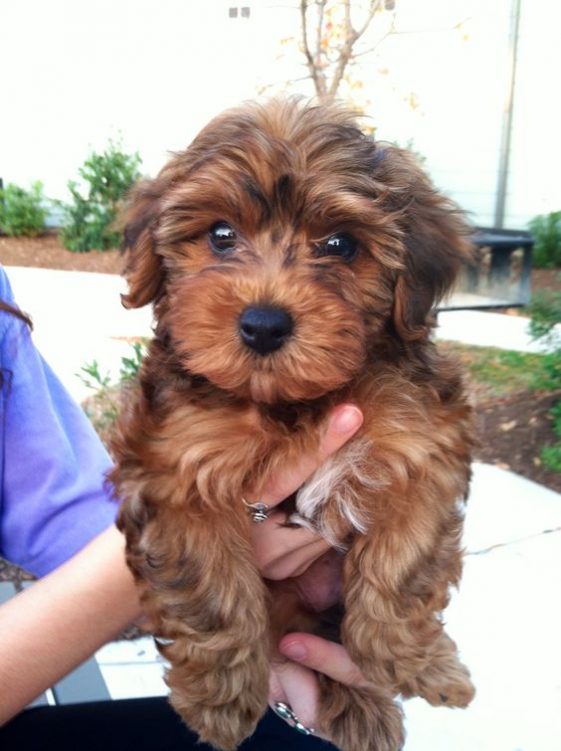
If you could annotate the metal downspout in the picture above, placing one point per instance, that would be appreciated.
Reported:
(506, 134)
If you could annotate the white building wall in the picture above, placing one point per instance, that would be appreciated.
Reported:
(535, 168)
(77, 72)
(81, 71)
(451, 57)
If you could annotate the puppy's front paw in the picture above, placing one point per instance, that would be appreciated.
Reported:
(222, 708)
(359, 719)
(226, 726)
(442, 684)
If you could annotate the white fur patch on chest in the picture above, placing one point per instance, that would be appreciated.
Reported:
(340, 480)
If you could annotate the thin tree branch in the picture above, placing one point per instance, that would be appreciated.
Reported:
(319, 61)
(319, 81)
(375, 6)
(321, 11)
(391, 31)
(345, 52)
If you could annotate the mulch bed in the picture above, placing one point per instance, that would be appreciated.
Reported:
(546, 279)
(513, 431)
(47, 252)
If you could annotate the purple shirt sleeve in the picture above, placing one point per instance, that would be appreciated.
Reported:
(53, 493)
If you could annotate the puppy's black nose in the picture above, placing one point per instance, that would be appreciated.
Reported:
(265, 329)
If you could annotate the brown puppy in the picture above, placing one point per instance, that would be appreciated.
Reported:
(293, 264)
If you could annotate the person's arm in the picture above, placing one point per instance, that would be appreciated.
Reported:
(57, 623)
(52, 495)
(53, 501)
(61, 620)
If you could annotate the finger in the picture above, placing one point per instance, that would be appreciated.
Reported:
(272, 536)
(284, 551)
(295, 562)
(343, 423)
(276, 690)
(323, 656)
(298, 687)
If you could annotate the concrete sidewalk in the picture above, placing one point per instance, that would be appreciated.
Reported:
(78, 318)
(484, 329)
(506, 617)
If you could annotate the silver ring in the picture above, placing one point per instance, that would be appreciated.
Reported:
(258, 511)
(284, 711)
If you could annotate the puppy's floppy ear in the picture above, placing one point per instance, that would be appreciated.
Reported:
(143, 270)
(435, 239)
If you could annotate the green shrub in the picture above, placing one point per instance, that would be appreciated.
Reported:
(103, 406)
(546, 230)
(545, 310)
(22, 212)
(545, 313)
(130, 366)
(89, 220)
(551, 455)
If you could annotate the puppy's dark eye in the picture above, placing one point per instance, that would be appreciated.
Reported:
(222, 238)
(341, 244)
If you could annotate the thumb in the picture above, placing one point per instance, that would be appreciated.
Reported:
(342, 424)
(323, 656)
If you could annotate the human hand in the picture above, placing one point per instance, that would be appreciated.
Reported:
(285, 552)
(314, 571)
(294, 682)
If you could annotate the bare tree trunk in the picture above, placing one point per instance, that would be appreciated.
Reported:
(317, 59)
(314, 60)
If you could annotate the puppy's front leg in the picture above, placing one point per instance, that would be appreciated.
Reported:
(203, 594)
(397, 583)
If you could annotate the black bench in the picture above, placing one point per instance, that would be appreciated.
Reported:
(500, 276)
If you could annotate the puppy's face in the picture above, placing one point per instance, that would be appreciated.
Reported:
(282, 247)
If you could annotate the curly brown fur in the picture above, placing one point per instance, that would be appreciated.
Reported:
(213, 417)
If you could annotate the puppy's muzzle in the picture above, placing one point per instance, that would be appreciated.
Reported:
(265, 329)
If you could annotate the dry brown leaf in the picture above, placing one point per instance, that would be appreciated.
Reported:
(506, 426)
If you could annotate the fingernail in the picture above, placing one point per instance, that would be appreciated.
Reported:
(295, 650)
(347, 420)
